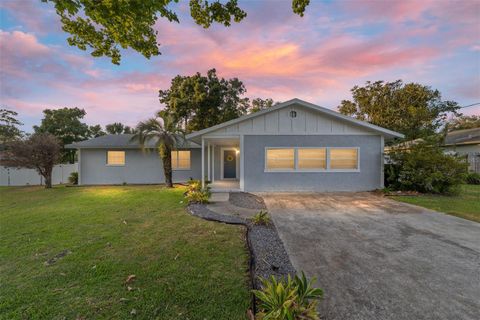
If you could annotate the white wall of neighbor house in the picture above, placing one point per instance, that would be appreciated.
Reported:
(140, 168)
(25, 177)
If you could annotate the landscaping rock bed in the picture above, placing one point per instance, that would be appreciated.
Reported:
(247, 200)
(267, 254)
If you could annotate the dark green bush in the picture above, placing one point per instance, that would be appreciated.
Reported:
(73, 178)
(424, 167)
(473, 178)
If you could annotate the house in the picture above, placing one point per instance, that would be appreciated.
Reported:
(465, 143)
(292, 146)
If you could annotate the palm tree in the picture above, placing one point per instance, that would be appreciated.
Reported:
(165, 135)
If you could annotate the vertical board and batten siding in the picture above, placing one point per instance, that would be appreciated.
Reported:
(25, 177)
(279, 121)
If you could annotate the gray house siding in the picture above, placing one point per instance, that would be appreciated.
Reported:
(139, 168)
(368, 178)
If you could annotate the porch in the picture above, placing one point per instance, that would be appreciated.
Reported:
(222, 163)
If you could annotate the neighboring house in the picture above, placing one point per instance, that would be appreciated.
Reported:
(465, 143)
(292, 146)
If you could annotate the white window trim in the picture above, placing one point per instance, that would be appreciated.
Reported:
(297, 170)
(116, 165)
(182, 169)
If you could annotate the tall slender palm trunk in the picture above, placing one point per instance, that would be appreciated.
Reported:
(165, 154)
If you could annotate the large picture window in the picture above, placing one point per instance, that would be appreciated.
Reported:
(181, 160)
(280, 159)
(312, 158)
(116, 158)
(344, 158)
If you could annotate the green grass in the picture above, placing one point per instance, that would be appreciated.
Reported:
(464, 205)
(185, 267)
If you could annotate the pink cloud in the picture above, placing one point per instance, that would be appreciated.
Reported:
(35, 16)
(274, 52)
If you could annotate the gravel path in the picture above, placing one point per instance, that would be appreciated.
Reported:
(267, 253)
(247, 200)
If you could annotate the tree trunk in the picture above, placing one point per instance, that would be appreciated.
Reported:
(165, 154)
(48, 180)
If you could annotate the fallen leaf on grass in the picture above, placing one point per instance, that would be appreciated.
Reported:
(133, 312)
(176, 257)
(130, 278)
(129, 288)
(125, 222)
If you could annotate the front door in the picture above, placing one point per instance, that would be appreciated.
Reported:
(229, 164)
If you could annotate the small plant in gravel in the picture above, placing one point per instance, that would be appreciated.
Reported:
(260, 218)
(290, 299)
(195, 193)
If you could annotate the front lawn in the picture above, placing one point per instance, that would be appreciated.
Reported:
(185, 267)
(464, 205)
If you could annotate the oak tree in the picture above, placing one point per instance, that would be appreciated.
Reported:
(413, 109)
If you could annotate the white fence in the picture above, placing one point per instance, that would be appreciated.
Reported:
(25, 177)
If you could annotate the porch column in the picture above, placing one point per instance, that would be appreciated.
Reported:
(242, 163)
(203, 163)
(208, 161)
(213, 163)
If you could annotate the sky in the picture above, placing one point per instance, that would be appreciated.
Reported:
(277, 54)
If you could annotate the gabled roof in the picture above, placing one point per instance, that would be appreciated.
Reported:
(123, 141)
(466, 136)
(385, 132)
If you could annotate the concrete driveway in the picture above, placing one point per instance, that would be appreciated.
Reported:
(380, 259)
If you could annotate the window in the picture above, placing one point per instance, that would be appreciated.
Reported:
(298, 159)
(293, 114)
(181, 160)
(344, 158)
(280, 159)
(310, 158)
(116, 158)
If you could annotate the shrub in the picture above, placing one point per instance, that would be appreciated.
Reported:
(260, 218)
(195, 193)
(73, 178)
(424, 167)
(473, 178)
(290, 299)
(201, 196)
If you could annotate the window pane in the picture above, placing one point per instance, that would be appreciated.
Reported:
(116, 157)
(280, 159)
(312, 158)
(181, 159)
(344, 158)
(184, 159)
(174, 155)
